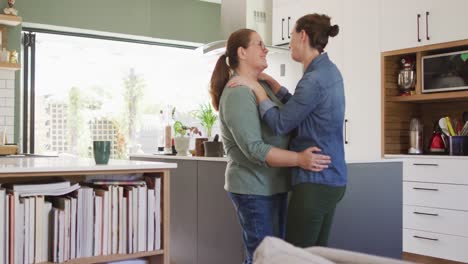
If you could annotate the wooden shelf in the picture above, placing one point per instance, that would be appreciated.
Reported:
(10, 20)
(439, 97)
(111, 258)
(10, 66)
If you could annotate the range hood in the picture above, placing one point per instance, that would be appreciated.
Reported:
(237, 14)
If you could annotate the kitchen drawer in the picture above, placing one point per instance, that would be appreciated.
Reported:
(436, 170)
(446, 196)
(435, 245)
(444, 221)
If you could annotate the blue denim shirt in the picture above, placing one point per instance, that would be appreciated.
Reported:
(314, 116)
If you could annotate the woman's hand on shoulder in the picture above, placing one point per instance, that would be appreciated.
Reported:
(237, 81)
(255, 86)
(274, 85)
(310, 160)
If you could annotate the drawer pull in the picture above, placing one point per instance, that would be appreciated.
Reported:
(426, 238)
(426, 164)
(419, 213)
(424, 189)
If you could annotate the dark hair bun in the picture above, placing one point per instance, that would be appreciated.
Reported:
(333, 31)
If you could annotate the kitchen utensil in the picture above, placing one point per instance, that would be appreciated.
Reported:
(416, 137)
(464, 131)
(459, 126)
(449, 126)
(443, 126)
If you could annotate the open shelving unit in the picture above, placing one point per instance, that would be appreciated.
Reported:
(8, 20)
(77, 175)
(397, 111)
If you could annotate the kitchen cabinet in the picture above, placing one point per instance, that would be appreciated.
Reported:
(219, 232)
(407, 24)
(200, 205)
(282, 23)
(434, 209)
(359, 62)
(204, 226)
(355, 50)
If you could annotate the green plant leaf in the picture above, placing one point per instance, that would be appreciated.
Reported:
(464, 57)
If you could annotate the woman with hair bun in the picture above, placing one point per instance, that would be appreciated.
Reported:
(256, 184)
(315, 116)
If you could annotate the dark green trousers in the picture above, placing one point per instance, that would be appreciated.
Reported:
(310, 213)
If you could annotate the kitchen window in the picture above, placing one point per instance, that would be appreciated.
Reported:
(105, 89)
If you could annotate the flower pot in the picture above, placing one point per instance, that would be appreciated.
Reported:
(182, 145)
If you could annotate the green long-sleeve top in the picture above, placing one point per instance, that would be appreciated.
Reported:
(247, 140)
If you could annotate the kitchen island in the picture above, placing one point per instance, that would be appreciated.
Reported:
(28, 169)
(205, 228)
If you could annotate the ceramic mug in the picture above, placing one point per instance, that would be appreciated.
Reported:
(101, 150)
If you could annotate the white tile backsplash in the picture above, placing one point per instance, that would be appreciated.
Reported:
(7, 75)
(10, 84)
(7, 102)
(10, 93)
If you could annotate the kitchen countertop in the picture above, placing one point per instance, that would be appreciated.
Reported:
(403, 156)
(10, 166)
(225, 159)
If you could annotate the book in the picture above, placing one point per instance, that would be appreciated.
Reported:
(97, 226)
(158, 213)
(3, 238)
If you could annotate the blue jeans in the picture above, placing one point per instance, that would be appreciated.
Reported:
(260, 216)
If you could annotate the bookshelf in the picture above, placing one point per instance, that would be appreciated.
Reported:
(24, 169)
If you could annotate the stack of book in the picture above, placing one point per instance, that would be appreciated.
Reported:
(60, 222)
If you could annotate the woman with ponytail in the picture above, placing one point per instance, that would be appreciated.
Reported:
(257, 180)
(316, 115)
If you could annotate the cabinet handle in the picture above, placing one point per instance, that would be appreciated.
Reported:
(424, 189)
(426, 164)
(417, 21)
(427, 26)
(289, 33)
(420, 213)
(282, 28)
(346, 131)
(427, 238)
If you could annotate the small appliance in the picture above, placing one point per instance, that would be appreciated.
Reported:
(437, 142)
(416, 137)
(445, 72)
(407, 75)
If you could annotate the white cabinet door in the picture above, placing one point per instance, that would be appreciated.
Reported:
(446, 20)
(280, 13)
(355, 50)
(400, 24)
(360, 67)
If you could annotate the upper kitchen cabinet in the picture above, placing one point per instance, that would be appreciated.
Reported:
(355, 50)
(282, 22)
(412, 23)
(285, 13)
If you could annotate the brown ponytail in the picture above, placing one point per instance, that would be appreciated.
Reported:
(318, 28)
(222, 71)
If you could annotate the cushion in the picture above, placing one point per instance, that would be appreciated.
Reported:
(273, 250)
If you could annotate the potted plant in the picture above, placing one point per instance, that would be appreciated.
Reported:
(207, 117)
(182, 135)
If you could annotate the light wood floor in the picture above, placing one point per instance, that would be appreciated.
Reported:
(427, 260)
